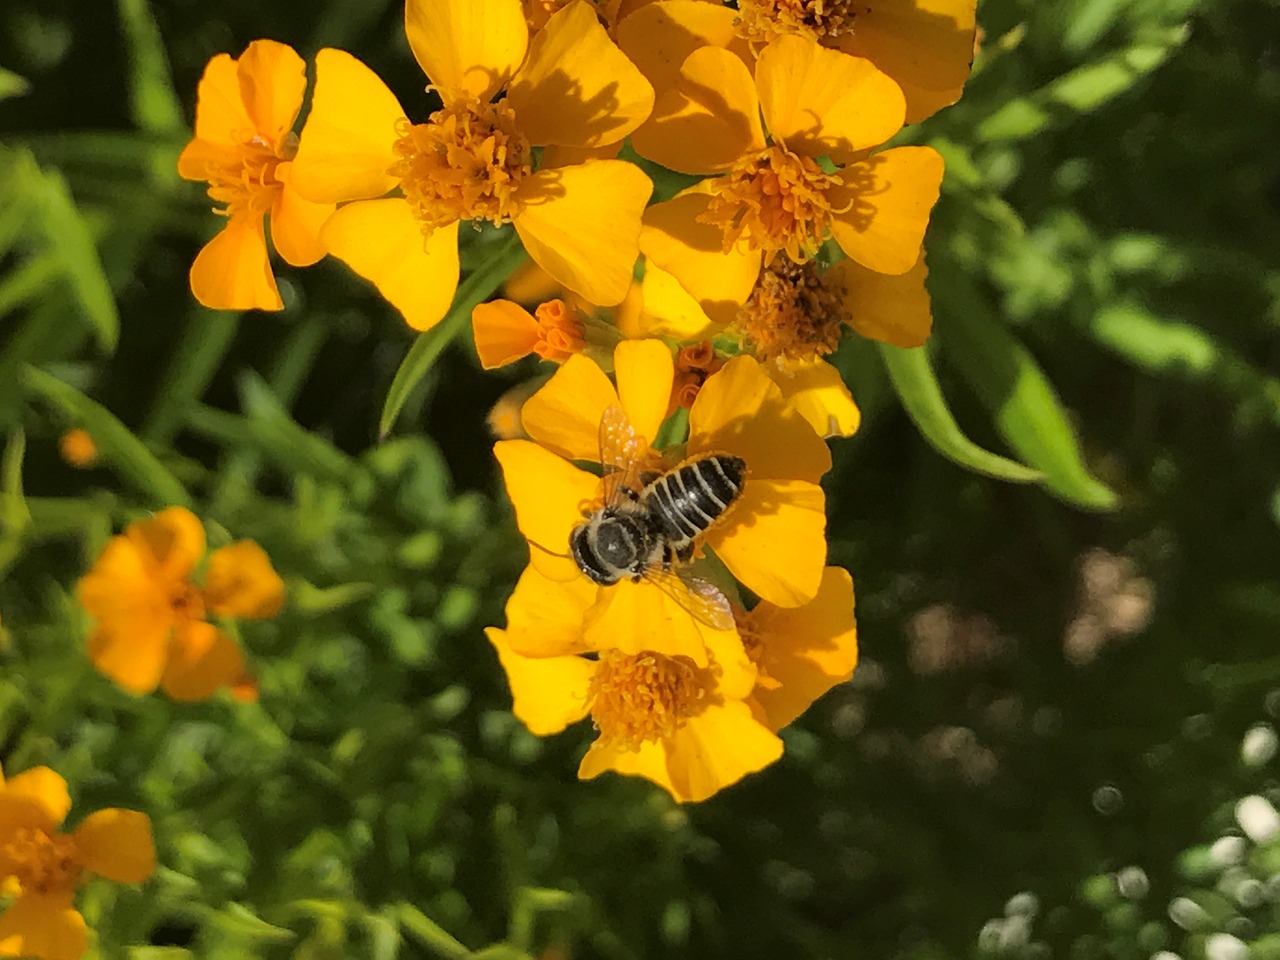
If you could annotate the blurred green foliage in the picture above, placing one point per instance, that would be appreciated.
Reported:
(1067, 686)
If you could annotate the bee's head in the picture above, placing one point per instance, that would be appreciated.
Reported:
(584, 554)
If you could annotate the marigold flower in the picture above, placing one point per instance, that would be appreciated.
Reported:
(151, 618)
(78, 449)
(568, 87)
(244, 142)
(771, 537)
(774, 196)
(926, 46)
(683, 724)
(506, 332)
(45, 866)
(802, 652)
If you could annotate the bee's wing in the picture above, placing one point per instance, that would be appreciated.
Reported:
(700, 597)
(622, 451)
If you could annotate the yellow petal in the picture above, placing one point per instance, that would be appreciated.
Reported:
(117, 844)
(649, 761)
(45, 926)
(582, 225)
(557, 156)
(577, 89)
(544, 616)
(530, 284)
(467, 49)
(242, 583)
(893, 309)
(716, 749)
(807, 649)
(44, 789)
(221, 117)
(131, 654)
(739, 410)
(547, 693)
(824, 102)
(347, 144)
(925, 45)
(773, 539)
(199, 155)
(693, 252)
(634, 617)
(296, 223)
(670, 310)
(273, 81)
(659, 37)
(888, 199)
(645, 371)
(381, 241)
(504, 332)
(172, 542)
(564, 416)
(202, 660)
(547, 493)
(232, 271)
(123, 587)
(817, 392)
(708, 120)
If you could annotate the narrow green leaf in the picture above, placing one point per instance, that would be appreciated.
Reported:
(205, 342)
(1027, 412)
(429, 933)
(12, 85)
(15, 518)
(479, 286)
(917, 387)
(282, 438)
(236, 921)
(118, 447)
(153, 101)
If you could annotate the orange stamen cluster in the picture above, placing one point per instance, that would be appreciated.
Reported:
(794, 313)
(242, 180)
(761, 21)
(42, 863)
(775, 201)
(694, 364)
(644, 698)
(560, 331)
(464, 163)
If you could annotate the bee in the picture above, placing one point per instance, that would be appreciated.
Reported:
(651, 522)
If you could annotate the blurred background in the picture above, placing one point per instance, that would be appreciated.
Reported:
(1061, 738)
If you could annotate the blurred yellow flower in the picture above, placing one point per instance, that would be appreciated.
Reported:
(473, 160)
(44, 866)
(151, 617)
(77, 448)
(243, 145)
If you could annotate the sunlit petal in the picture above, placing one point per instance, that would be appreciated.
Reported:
(467, 49)
(564, 415)
(659, 37)
(44, 789)
(717, 748)
(818, 393)
(547, 493)
(644, 370)
(544, 616)
(273, 81)
(547, 693)
(117, 844)
(221, 117)
(891, 308)
(232, 271)
(504, 332)
(887, 200)
(637, 616)
(296, 223)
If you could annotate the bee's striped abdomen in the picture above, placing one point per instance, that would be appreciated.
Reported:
(692, 497)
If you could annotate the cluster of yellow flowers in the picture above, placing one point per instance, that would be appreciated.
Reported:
(677, 590)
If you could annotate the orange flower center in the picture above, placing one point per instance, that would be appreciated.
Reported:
(694, 364)
(754, 643)
(243, 179)
(645, 697)
(775, 201)
(560, 332)
(464, 163)
(41, 862)
(761, 21)
(794, 313)
(186, 602)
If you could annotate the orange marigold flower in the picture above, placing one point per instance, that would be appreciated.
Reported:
(244, 142)
(151, 617)
(926, 46)
(46, 866)
(506, 332)
(473, 160)
(78, 449)
(682, 723)
(772, 536)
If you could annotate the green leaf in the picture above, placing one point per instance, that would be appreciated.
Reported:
(152, 99)
(117, 446)
(239, 923)
(479, 286)
(917, 387)
(15, 518)
(1028, 414)
(283, 438)
(12, 85)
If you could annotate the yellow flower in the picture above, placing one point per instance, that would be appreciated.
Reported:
(244, 140)
(568, 87)
(926, 46)
(802, 652)
(78, 449)
(151, 627)
(772, 536)
(681, 723)
(46, 866)
(773, 196)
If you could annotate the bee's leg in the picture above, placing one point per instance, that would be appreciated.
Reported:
(685, 553)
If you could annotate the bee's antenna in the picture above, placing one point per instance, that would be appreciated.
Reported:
(562, 556)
